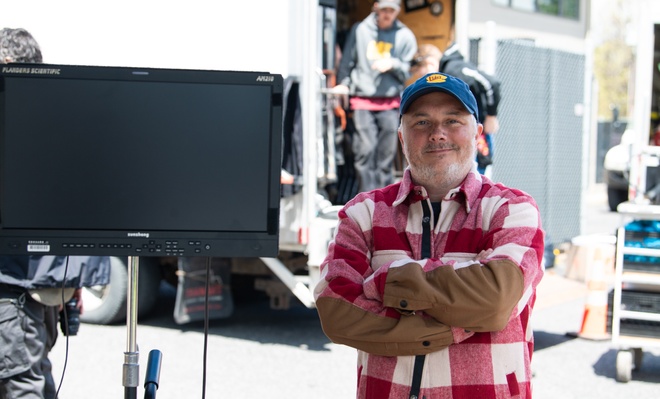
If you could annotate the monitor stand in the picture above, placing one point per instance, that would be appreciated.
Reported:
(131, 366)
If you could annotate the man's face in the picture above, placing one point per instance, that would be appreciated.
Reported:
(385, 16)
(438, 136)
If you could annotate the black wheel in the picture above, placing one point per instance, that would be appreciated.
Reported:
(615, 196)
(107, 304)
(638, 357)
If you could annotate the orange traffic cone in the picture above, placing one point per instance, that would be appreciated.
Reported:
(594, 320)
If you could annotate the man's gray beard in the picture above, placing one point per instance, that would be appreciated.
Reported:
(456, 171)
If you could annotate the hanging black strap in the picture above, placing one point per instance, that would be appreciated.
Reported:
(417, 376)
(426, 253)
(426, 231)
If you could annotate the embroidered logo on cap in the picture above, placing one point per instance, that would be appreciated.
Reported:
(436, 78)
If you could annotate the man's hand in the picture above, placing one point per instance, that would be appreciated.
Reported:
(382, 65)
(341, 93)
(481, 256)
(78, 295)
(491, 124)
(339, 90)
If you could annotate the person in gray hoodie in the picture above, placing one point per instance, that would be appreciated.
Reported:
(374, 67)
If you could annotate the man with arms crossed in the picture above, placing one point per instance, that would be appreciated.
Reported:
(433, 279)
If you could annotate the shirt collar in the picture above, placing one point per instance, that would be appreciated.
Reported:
(467, 192)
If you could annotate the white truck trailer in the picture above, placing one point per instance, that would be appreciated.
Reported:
(294, 38)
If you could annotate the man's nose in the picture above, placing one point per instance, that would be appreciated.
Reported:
(438, 134)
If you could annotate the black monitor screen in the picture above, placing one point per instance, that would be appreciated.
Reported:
(129, 161)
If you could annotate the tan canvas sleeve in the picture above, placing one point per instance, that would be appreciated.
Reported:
(480, 297)
(347, 324)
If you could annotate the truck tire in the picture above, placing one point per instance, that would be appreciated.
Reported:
(107, 304)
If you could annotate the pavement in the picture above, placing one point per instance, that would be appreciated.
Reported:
(555, 289)
(565, 280)
(288, 356)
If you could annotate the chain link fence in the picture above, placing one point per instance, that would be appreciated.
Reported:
(539, 146)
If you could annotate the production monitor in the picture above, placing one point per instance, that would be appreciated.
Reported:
(123, 161)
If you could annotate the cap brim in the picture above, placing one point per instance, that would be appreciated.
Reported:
(391, 5)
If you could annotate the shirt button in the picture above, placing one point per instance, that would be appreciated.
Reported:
(403, 303)
(426, 343)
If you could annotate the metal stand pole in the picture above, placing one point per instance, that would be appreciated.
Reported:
(131, 369)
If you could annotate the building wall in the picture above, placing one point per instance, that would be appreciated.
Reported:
(546, 30)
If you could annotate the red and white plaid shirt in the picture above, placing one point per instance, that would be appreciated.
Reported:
(469, 317)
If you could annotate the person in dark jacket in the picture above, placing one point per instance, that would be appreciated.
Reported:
(34, 288)
(486, 89)
(32, 292)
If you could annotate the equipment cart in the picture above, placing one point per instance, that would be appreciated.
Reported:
(634, 303)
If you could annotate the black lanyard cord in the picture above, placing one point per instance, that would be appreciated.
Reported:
(426, 253)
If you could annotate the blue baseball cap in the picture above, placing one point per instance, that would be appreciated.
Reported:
(436, 81)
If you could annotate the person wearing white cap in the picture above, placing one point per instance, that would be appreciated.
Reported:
(433, 279)
(374, 67)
